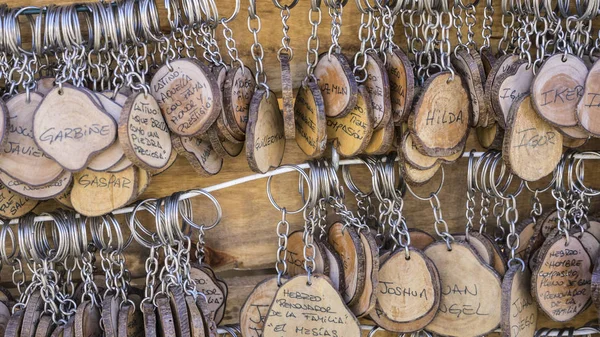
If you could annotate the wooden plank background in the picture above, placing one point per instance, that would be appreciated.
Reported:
(242, 248)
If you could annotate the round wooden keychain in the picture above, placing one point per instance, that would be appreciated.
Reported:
(14, 205)
(347, 243)
(509, 87)
(98, 193)
(589, 103)
(43, 192)
(295, 255)
(238, 90)
(45, 327)
(199, 153)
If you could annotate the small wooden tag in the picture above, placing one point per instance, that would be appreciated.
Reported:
(87, 321)
(237, 94)
(5, 317)
(148, 311)
(402, 84)
(209, 322)
(503, 64)
(479, 245)
(470, 291)
(110, 315)
(287, 97)
(519, 310)
(499, 260)
(223, 148)
(31, 317)
(348, 245)
(188, 95)
(114, 153)
(22, 159)
(43, 192)
(265, 140)
(337, 83)
(466, 66)
(295, 256)
(526, 231)
(130, 320)
(352, 133)
(588, 107)
(382, 140)
(440, 123)
(415, 176)
(311, 124)
(203, 159)
(378, 86)
(98, 193)
(490, 137)
(71, 127)
(330, 316)
(14, 205)
(255, 309)
(510, 86)
(59, 331)
(411, 154)
(549, 222)
(44, 328)
(143, 133)
(336, 267)
(13, 327)
(558, 87)
(180, 312)
(44, 85)
(166, 326)
(208, 286)
(69, 327)
(368, 298)
(409, 290)
(197, 328)
(561, 280)
(532, 148)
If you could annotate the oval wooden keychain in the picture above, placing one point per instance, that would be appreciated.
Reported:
(589, 103)
(368, 297)
(130, 319)
(410, 153)
(509, 87)
(87, 320)
(378, 86)
(382, 140)
(43, 192)
(402, 82)
(180, 311)
(237, 94)
(200, 154)
(45, 326)
(256, 307)
(166, 326)
(197, 328)
(110, 315)
(284, 55)
(98, 193)
(505, 64)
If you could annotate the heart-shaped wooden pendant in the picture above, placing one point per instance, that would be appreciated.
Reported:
(561, 281)
(22, 158)
(558, 87)
(337, 83)
(440, 122)
(311, 124)
(519, 310)
(199, 153)
(188, 95)
(254, 311)
(265, 140)
(14, 205)
(588, 108)
(237, 94)
(470, 291)
(114, 153)
(465, 65)
(288, 317)
(71, 127)
(98, 193)
(143, 133)
(532, 148)
(402, 83)
(378, 86)
(43, 192)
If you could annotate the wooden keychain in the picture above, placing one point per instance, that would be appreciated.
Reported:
(254, 310)
(333, 71)
(265, 139)
(309, 108)
(589, 102)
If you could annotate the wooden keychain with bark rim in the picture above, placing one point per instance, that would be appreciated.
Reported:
(265, 138)
(254, 310)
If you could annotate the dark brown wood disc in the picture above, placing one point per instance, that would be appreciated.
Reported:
(110, 315)
(130, 318)
(310, 120)
(13, 327)
(31, 316)
(166, 321)
(209, 322)
(180, 312)
(69, 328)
(44, 328)
(87, 320)
(337, 83)
(287, 96)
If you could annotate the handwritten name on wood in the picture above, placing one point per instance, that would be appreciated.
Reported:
(98, 193)
(254, 311)
(337, 83)
(588, 107)
(519, 310)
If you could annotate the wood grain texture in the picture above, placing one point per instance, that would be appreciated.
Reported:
(347, 243)
(338, 84)
(519, 309)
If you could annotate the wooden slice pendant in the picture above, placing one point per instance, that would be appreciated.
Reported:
(378, 86)
(490, 137)
(415, 176)
(479, 244)
(519, 310)
(237, 94)
(110, 315)
(123, 164)
(4, 124)
(13, 327)
(311, 124)
(351, 134)
(265, 140)
(44, 328)
(44, 85)
(32, 314)
(5, 317)
(188, 95)
(466, 66)
(409, 290)
(589, 242)
(143, 133)
(470, 291)
(170, 163)
(207, 285)
(255, 309)
(14, 205)
(70, 126)
(114, 153)
(402, 84)
(287, 97)
(98, 193)
(203, 159)
(348, 245)
(588, 107)
(220, 314)
(510, 86)
(368, 298)
(440, 123)
(197, 328)
(526, 231)
(59, 331)
(594, 227)
(69, 327)
(337, 83)
(148, 311)
(209, 322)
(499, 260)
(558, 87)
(180, 312)
(411, 154)
(506, 63)
(484, 64)
(223, 148)
(532, 148)
(561, 280)
(336, 267)
(130, 321)
(295, 256)
(22, 159)
(166, 323)
(43, 192)
(382, 140)
(576, 132)
(87, 321)
(549, 221)
(330, 316)
(420, 239)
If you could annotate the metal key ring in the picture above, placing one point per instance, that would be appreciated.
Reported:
(494, 187)
(308, 183)
(135, 224)
(579, 173)
(186, 211)
(431, 195)
(285, 7)
(349, 181)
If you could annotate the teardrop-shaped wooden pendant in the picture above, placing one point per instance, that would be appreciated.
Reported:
(509, 87)
(378, 86)
(338, 84)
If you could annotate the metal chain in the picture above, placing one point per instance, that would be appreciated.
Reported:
(364, 36)
(283, 231)
(513, 238)
(471, 19)
(335, 12)
(444, 232)
(313, 43)
(285, 40)
(257, 51)
(486, 26)
(563, 223)
(230, 44)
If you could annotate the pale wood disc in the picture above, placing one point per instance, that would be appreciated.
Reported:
(588, 107)
(440, 119)
(417, 177)
(411, 154)
(470, 291)
(288, 318)
(532, 148)
(207, 285)
(44, 328)
(590, 243)
(265, 140)
(378, 86)
(65, 197)
(402, 84)
(336, 268)
(71, 127)
(143, 181)
(166, 322)
(13, 327)
(114, 153)
(197, 328)
(464, 63)
(510, 86)
(199, 153)
(170, 163)
(561, 280)
(420, 239)
(32, 314)
(295, 256)
(188, 95)
(382, 140)
(130, 317)
(143, 133)
(368, 298)
(337, 83)
(254, 311)
(479, 244)
(558, 87)
(351, 134)
(22, 158)
(287, 96)
(311, 124)
(148, 311)
(499, 260)
(519, 310)
(5, 317)
(124, 164)
(348, 245)
(490, 137)
(409, 289)
(110, 315)
(576, 132)
(223, 148)
(13, 205)
(43, 192)
(238, 90)
(98, 193)
(501, 65)
(549, 222)
(573, 143)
